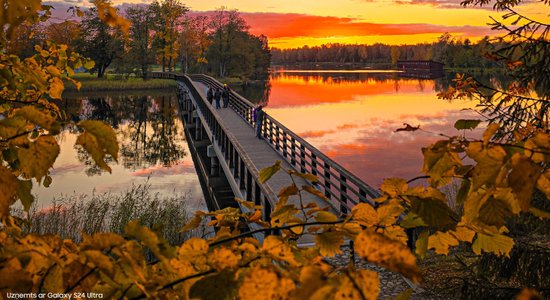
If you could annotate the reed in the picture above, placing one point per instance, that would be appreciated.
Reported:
(71, 216)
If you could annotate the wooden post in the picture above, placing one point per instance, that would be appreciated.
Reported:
(343, 195)
(327, 180)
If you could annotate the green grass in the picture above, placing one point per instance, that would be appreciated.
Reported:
(71, 216)
(115, 82)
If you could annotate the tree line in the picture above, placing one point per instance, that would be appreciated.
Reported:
(161, 33)
(453, 52)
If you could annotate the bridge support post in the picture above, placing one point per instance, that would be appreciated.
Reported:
(214, 162)
(198, 127)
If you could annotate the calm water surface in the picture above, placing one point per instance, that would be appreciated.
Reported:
(350, 116)
(152, 149)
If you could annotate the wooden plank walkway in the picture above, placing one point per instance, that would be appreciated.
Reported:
(261, 153)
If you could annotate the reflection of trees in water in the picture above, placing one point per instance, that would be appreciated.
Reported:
(257, 92)
(148, 129)
(151, 135)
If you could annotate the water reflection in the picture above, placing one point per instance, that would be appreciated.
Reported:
(352, 117)
(151, 141)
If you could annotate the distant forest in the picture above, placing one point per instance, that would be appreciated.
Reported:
(454, 53)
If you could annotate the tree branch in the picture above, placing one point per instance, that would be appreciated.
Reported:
(249, 233)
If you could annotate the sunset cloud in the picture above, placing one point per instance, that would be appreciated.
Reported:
(278, 25)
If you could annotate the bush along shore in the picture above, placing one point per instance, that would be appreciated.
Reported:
(111, 82)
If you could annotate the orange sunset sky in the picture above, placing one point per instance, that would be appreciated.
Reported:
(295, 23)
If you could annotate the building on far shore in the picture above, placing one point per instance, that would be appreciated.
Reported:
(420, 68)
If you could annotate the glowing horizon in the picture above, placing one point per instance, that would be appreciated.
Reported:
(293, 24)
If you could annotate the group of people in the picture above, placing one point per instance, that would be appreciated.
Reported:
(217, 94)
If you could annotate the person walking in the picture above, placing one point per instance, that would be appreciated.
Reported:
(217, 96)
(209, 94)
(225, 95)
(259, 118)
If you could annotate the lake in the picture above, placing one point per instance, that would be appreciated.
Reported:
(153, 149)
(349, 115)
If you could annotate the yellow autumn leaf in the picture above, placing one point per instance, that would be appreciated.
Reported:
(412, 220)
(192, 224)
(364, 214)
(543, 184)
(389, 212)
(263, 283)
(36, 159)
(394, 186)
(193, 250)
(490, 132)
(489, 163)
(394, 232)
(539, 213)
(528, 294)
(463, 233)
(366, 281)
(522, 179)
(158, 245)
(56, 88)
(283, 214)
(421, 245)
(311, 280)
(497, 208)
(325, 216)
(247, 204)
(54, 280)
(288, 191)
(433, 212)
(223, 258)
(387, 253)
(268, 172)
(98, 139)
(53, 70)
(105, 135)
(8, 185)
(109, 15)
(441, 241)
(498, 244)
(101, 241)
(309, 177)
(24, 188)
(37, 117)
(315, 192)
(277, 248)
(99, 260)
(440, 164)
(329, 242)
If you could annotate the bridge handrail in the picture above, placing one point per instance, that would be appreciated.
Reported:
(346, 194)
(244, 171)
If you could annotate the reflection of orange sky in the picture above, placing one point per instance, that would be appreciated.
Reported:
(69, 175)
(354, 122)
(298, 90)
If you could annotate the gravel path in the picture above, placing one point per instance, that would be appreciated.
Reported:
(391, 284)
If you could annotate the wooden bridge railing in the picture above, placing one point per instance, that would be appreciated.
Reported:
(340, 186)
(242, 169)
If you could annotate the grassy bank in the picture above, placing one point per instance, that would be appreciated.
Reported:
(70, 216)
(90, 83)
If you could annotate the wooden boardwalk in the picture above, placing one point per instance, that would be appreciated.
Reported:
(260, 152)
(241, 155)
